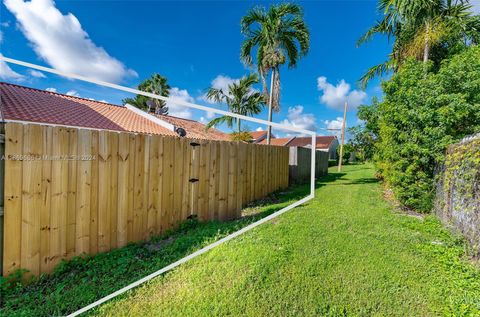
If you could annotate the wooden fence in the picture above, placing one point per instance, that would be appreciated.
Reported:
(72, 191)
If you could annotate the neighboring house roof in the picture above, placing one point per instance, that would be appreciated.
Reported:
(258, 135)
(19, 103)
(323, 142)
(195, 129)
(278, 141)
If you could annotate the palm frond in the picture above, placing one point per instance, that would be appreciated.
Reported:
(377, 70)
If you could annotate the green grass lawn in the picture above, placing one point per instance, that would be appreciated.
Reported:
(347, 253)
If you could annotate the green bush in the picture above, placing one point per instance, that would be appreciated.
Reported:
(422, 114)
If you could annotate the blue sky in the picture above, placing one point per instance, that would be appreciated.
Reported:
(194, 44)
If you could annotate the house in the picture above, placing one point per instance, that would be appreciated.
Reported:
(327, 143)
(29, 105)
(259, 136)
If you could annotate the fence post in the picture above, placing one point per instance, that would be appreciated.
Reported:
(2, 180)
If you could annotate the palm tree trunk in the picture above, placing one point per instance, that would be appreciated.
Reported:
(276, 90)
(426, 48)
(270, 106)
(238, 125)
(264, 81)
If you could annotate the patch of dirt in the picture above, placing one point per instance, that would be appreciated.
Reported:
(158, 245)
(399, 208)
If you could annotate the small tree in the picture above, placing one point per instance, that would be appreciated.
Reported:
(240, 97)
(156, 84)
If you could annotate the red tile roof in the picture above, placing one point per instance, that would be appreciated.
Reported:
(278, 141)
(195, 129)
(323, 142)
(19, 103)
(258, 134)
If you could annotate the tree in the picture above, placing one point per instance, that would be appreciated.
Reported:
(240, 97)
(156, 84)
(278, 34)
(422, 29)
(419, 117)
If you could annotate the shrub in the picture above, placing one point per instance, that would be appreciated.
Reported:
(241, 136)
(420, 116)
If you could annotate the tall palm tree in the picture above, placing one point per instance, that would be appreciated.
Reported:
(156, 84)
(278, 34)
(418, 26)
(240, 98)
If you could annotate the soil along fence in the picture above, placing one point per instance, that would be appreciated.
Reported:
(72, 191)
(458, 191)
(299, 163)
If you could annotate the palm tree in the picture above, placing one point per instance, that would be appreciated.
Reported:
(240, 98)
(418, 26)
(278, 34)
(156, 84)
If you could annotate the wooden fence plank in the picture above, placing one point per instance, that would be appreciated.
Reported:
(232, 179)
(82, 228)
(168, 185)
(223, 185)
(146, 174)
(212, 181)
(195, 168)
(113, 138)
(31, 198)
(58, 219)
(104, 168)
(178, 181)
(160, 207)
(94, 195)
(138, 187)
(153, 196)
(72, 191)
(202, 179)
(13, 197)
(131, 188)
(186, 187)
(122, 198)
(46, 196)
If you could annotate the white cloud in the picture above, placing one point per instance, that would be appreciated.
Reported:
(336, 96)
(259, 129)
(178, 110)
(36, 73)
(335, 124)
(5, 24)
(73, 93)
(202, 120)
(6, 73)
(51, 89)
(61, 41)
(297, 118)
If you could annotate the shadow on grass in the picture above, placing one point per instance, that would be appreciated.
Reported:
(82, 280)
(359, 181)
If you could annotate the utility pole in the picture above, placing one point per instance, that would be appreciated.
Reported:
(343, 137)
